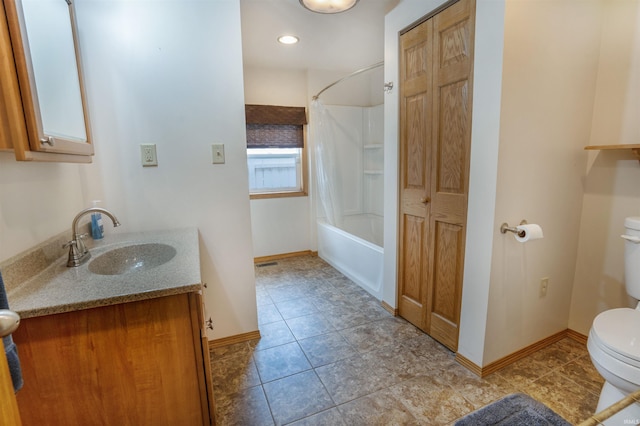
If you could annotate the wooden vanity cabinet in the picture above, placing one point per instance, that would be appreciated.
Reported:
(136, 363)
(21, 127)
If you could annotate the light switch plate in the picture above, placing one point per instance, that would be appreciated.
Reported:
(217, 153)
(148, 155)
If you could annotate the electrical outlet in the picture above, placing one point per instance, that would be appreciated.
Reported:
(217, 153)
(544, 284)
(148, 154)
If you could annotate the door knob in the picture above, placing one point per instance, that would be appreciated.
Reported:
(9, 322)
(425, 200)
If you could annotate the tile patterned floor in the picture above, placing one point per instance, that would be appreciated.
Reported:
(330, 355)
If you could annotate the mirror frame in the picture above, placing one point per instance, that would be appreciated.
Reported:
(39, 142)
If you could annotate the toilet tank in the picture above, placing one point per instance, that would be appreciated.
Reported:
(632, 256)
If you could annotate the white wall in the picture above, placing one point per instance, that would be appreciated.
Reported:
(612, 193)
(548, 89)
(275, 86)
(377, 93)
(617, 103)
(611, 186)
(361, 90)
(40, 200)
(485, 128)
(170, 72)
(279, 225)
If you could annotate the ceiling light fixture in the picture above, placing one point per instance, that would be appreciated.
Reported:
(288, 39)
(328, 6)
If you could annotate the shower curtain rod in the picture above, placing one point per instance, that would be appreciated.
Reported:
(353, 74)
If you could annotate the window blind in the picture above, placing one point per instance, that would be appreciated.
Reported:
(271, 114)
(270, 126)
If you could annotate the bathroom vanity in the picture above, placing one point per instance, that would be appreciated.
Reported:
(113, 347)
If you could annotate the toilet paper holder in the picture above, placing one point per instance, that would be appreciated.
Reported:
(505, 227)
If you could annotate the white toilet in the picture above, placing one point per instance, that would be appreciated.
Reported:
(614, 338)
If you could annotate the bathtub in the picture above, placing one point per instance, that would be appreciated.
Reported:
(351, 254)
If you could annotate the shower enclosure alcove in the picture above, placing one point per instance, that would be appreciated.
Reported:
(347, 131)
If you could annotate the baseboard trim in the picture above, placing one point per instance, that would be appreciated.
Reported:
(524, 352)
(518, 355)
(263, 259)
(469, 365)
(230, 340)
(393, 311)
(578, 337)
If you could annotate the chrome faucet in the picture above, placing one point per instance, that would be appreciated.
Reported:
(78, 253)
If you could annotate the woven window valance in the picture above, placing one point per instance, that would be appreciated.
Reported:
(274, 136)
(271, 114)
(271, 126)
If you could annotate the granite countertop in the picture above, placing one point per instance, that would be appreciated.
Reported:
(59, 289)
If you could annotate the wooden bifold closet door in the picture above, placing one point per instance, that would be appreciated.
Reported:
(436, 68)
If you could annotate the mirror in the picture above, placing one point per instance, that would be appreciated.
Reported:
(55, 70)
(50, 76)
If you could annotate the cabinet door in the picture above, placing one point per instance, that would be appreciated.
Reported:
(9, 414)
(12, 125)
(129, 364)
(47, 63)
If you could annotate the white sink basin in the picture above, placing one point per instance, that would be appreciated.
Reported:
(138, 257)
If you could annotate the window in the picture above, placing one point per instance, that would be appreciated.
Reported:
(274, 170)
(275, 151)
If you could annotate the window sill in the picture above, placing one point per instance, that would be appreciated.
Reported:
(263, 195)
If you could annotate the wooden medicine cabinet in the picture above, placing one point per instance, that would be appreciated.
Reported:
(43, 114)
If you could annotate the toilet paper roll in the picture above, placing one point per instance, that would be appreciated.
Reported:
(531, 232)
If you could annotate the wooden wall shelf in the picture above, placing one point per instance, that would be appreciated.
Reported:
(635, 148)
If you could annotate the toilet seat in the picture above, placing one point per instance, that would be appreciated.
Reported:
(617, 332)
(614, 347)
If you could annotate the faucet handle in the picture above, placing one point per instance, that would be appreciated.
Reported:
(73, 242)
(78, 253)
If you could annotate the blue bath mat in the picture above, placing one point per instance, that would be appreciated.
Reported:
(513, 410)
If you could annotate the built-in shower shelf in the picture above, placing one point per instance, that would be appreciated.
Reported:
(373, 172)
(635, 148)
(374, 146)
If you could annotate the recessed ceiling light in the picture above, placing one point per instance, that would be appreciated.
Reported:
(288, 39)
(328, 6)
